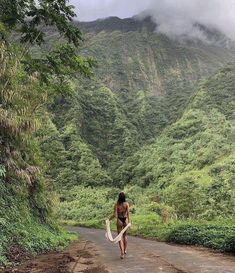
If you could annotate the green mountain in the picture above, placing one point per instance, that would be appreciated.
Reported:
(132, 56)
(142, 84)
(180, 187)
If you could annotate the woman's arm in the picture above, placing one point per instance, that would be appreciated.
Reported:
(128, 212)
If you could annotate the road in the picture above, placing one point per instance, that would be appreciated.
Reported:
(148, 256)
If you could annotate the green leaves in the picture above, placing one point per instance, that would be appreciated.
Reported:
(29, 18)
(64, 61)
(27, 83)
(2, 171)
(31, 21)
(61, 65)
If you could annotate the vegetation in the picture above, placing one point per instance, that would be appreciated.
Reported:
(181, 181)
(213, 235)
(150, 220)
(139, 125)
(174, 150)
(27, 85)
(95, 127)
(126, 105)
(22, 229)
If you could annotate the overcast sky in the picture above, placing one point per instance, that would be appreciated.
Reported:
(174, 16)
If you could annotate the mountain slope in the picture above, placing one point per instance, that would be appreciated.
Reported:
(142, 84)
(196, 153)
(132, 57)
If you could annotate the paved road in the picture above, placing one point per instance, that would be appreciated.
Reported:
(152, 257)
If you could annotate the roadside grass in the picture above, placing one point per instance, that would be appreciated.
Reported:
(26, 236)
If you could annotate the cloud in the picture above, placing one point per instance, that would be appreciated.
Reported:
(174, 17)
(178, 17)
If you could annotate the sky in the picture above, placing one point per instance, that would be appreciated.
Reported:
(174, 17)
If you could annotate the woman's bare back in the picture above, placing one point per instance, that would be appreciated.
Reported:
(122, 210)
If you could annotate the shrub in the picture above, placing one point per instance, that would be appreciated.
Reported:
(209, 235)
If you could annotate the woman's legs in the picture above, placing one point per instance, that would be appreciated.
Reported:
(121, 243)
(125, 242)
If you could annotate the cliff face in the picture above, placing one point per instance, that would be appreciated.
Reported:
(133, 56)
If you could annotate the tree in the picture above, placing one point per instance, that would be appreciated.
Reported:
(29, 21)
(185, 196)
(28, 83)
(28, 17)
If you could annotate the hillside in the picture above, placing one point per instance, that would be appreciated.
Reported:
(132, 56)
(195, 154)
(142, 84)
(28, 84)
(135, 57)
(27, 222)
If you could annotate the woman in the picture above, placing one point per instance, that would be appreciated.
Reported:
(121, 213)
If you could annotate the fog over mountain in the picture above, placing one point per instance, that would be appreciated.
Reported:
(174, 17)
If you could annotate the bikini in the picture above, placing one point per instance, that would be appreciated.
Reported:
(121, 218)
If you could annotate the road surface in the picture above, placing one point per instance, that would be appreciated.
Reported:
(148, 256)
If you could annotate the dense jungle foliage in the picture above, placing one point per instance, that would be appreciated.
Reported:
(147, 122)
(28, 83)
(121, 109)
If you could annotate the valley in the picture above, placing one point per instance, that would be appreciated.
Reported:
(121, 107)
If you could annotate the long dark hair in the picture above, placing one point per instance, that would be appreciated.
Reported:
(121, 198)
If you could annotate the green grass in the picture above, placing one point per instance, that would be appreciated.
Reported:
(32, 238)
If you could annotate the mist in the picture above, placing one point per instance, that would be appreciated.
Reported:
(174, 17)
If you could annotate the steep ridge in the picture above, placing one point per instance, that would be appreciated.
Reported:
(171, 151)
(142, 84)
(135, 57)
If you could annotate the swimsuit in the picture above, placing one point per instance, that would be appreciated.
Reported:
(123, 219)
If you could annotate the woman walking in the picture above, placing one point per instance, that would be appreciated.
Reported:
(121, 213)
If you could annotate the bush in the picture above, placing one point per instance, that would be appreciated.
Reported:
(208, 235)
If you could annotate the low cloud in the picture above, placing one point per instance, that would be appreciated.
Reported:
(174, 17)
(178, 17)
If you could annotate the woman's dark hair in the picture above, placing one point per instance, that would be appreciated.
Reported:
(121, 198)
